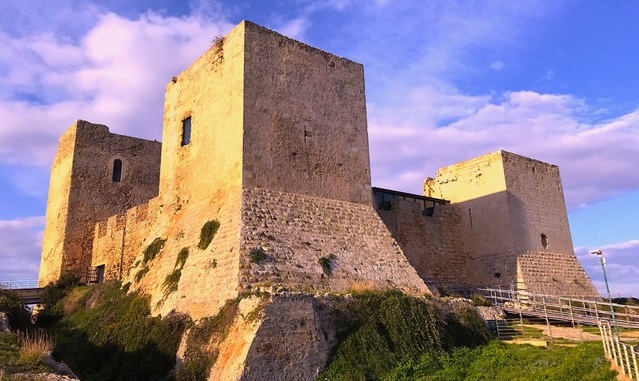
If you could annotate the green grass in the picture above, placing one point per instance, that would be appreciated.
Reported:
(117, 339)
(10, 359)
(501, 362)
(381, 329)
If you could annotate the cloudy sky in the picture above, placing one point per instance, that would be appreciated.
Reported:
(446, 81)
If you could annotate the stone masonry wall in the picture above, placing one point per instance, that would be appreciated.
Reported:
(304, 119)
(92, 193)
(432, 244)
(57, 209)
(295, 231)
(553, 273)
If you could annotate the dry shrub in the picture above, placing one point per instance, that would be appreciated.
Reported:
(34, 346)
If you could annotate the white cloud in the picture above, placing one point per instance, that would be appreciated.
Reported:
(114, 75)
(594, 159)
(497, 65)
(20, 242)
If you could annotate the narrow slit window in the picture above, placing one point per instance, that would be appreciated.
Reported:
(186, 131)
(117, 171)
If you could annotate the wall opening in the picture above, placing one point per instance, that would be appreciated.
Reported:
(186, 131)
(116, 176)
(544, 240)
(497, 275)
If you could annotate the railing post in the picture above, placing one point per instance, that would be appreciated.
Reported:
(634, 361)
(625, 368)
(604, 338)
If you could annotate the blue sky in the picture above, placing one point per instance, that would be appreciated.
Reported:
(445, 81)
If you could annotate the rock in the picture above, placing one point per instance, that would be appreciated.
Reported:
(4, 322)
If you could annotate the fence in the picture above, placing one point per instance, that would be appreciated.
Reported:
(558, 308)
(623, 355)
(17, 284)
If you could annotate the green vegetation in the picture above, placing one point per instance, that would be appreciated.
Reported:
(207, 233)
(153, 250)
(112, 336)
(10, 359)
(17, 312)
(381, 329)
(503, 362)
(52, 296)
(34, 346)
(208, 333)
(171, 281)
(327, 264)
(257, 255)
(183, 255)
(141, 273)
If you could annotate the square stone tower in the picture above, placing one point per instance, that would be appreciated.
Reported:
(514, 223)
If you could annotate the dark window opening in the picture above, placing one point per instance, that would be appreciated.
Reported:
(186, 131)
(497, 275)
(544, 240)
(117, 171)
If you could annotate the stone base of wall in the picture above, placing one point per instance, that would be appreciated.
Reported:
(555, 274)
(296, 233)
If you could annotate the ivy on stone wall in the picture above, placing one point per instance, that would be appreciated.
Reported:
(207, 233)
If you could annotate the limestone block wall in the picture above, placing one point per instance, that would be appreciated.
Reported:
(536, 205)
(208, 277)
(478, 188)
(85, 190)
(210, 93)
(513, 216)
(57, 209)
(305, 119)
(432, 244)
(552, 273)
(296, 231)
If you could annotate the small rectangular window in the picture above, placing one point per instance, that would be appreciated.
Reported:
(186, 131)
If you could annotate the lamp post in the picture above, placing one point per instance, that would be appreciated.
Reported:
(602, 260)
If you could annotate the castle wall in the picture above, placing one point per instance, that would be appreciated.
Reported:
(296, 231)
(210, 92)
(305, 120)
(513, 214)
(536, 205)
(91, 191)
(432, 244)
(57, 209)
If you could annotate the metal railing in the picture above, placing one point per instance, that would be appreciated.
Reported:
(18, 284)
(558, 308)
(623, 355)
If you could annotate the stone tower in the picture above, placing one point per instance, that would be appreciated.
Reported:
(514, 224)
(264, 136)
(94, 174)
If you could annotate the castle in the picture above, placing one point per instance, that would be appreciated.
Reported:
(263, 179)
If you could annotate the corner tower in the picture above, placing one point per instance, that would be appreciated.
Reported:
(94, 174)
(514, 224)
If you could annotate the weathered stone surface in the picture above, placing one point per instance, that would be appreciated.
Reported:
(513, 216)
(4, 322)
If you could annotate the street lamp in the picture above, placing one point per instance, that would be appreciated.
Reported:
(602, 260)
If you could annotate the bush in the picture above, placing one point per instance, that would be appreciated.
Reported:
(153, 250)
(327, 264)
(118, 339)
(52, 296)
(207, 233)
(18, 314)
(257, 255)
